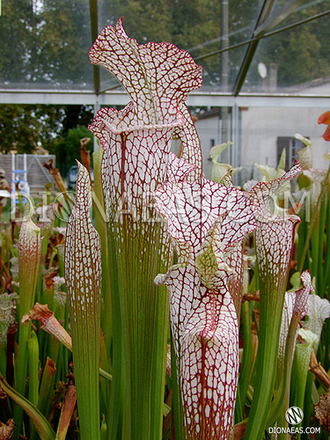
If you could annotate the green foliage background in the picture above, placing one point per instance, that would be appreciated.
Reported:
(48, 45)
(58, 129)
(68, 149)
(45, 45)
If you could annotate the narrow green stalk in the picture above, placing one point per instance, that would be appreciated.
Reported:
(20, 200)
(327, 252)
(302, 237)
(83, 273)
(53, 350)
(266, 369)
(101, 227)
(282, 393)
(326, 335)
(57, 350)
(177, 409)
(52, 258)
(61, 311)
(29, 246)
(301, 363)
(313, 221)
(33, 347)
(281, 421)
(46, 342)
(238, 406)
(45, 232)
(272, 291)
(60, 253)
(320, 287)
(115, 414)
(315, 248)
(47, 386)
(60, 366)
(40, 422)
(48, 293)
(308, 404)
(159, 362)
(246, 370)
(274, 247)
(104, 383)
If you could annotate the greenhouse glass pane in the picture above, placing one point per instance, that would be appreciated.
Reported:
(296, 61)
(305, 9)
(44, 44)
(200, 27)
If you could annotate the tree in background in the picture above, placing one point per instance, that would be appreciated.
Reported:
(45, 44)
(301, 54)
(68, 148)
(23, 127)
(63, 37)
(16, 40)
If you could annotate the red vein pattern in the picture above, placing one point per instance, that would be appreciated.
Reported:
(295, 304)
(157, 76)
(29, 249)
(191, 148)
(208, 219)
(261, 193)
(177, 169)
(274, 234)
(301, 303)
(136, 160)
(83, 252)
(83, 275)
(288, 306)
(192, 209)
(136, 140)
(274, 247)
(234, 257)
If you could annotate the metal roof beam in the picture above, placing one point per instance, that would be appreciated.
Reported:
(94, 33)
(263, 27)
(264, 15)
(264, 35)
(269, 24)
(194, 99)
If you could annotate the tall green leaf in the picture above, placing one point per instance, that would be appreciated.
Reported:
(274, 245)
(136, 159)
(83, 274)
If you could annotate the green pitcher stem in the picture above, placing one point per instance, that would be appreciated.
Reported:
(245, 373)
(281, 397)
(266, 369)
(312, 223)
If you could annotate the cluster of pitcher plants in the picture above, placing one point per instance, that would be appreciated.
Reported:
(167, 305)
